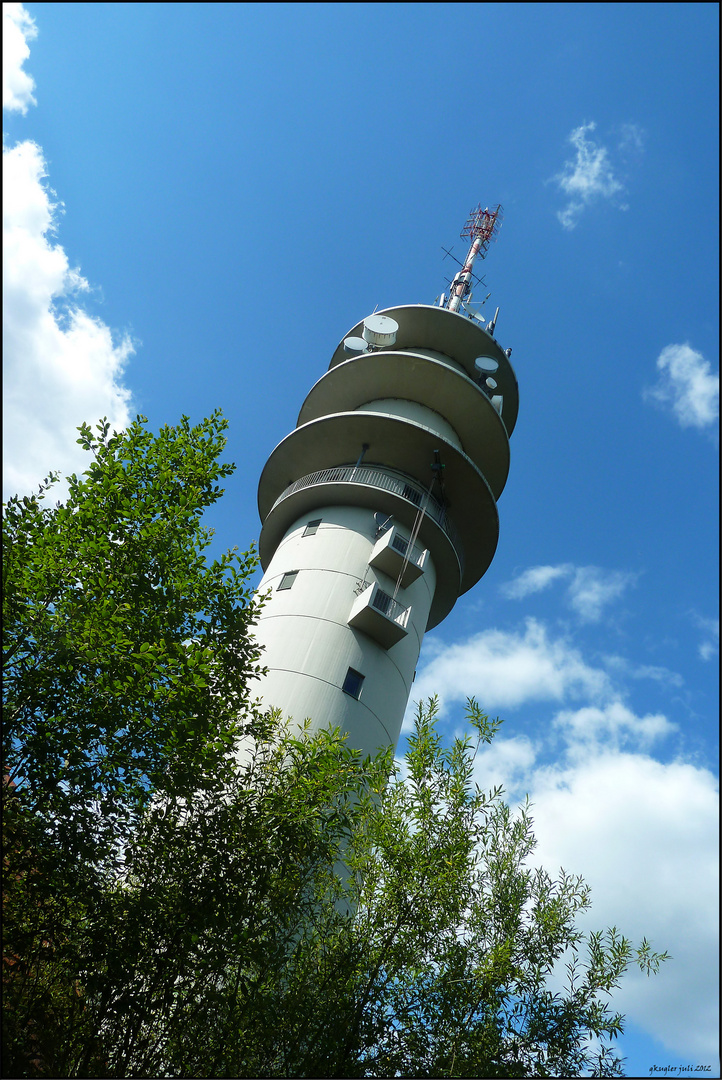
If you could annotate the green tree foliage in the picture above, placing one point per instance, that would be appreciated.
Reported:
(127, 664)
(295, 911)
(127, 657)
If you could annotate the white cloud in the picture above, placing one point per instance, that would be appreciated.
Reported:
(687, 386)
(590, 589)
(18, 86)
(641, 832)
(572, 739)
(535, 579)
(587, 177)
(61, 365)
(644, 835)
(506, 669)
(613, 726)
(507, 763)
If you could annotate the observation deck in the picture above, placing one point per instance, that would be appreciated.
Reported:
(371, 427)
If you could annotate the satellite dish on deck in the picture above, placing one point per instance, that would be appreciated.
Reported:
(355, 345)
(380, 330)
(472, 310)
(486, 363)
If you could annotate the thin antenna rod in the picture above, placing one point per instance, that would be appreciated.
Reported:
(481, 227)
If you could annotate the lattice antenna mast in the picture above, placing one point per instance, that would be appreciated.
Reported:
(482, 227)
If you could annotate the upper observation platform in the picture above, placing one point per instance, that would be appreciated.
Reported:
(455, 337)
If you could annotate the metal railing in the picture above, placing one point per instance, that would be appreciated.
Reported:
(401, 545)
(389, 607)
(386, 480)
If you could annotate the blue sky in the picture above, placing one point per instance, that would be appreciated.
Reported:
(201, 200)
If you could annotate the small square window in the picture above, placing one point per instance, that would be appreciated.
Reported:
(287, 580)
(352, 683)
(312, 527)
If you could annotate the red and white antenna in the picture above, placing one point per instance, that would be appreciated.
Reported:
(481, 227)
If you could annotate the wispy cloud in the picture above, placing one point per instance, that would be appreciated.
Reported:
(590, 588)
(709, 646)
(62, 366)
(631, 139)
(621, 666)
(535, 579)
(588, 176)
(686, 386)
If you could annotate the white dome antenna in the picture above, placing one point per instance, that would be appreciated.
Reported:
(380, 331)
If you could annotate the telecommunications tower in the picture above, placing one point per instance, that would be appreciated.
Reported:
(379, 509)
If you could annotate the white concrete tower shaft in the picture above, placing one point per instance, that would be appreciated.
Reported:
(378, 511)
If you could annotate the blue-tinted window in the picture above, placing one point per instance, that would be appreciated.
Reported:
(352, 683)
